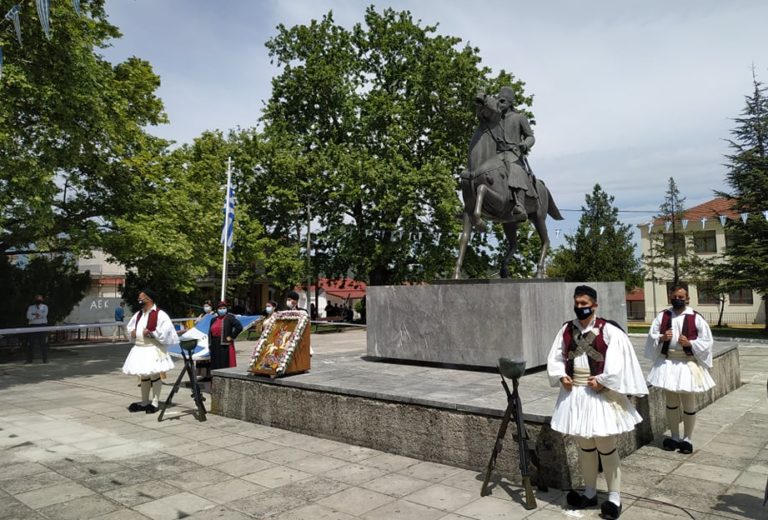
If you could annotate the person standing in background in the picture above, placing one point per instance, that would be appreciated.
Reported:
(37, 316)
(120, 318)
(680, 345)
(221, 337)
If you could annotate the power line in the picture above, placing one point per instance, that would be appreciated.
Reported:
(620, 210)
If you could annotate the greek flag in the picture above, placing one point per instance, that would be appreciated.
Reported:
(44, 13)
(227, 232)
(76, 5)
(13, 15)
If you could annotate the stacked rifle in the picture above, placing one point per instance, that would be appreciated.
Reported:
(514, 370)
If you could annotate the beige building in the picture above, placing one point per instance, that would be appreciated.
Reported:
(702, 232)
(107, 279)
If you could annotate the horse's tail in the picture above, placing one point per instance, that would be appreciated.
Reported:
(552, 210)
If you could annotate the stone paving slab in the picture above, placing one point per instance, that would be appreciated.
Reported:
(70, 449)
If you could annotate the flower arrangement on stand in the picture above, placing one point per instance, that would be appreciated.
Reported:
(279, 339)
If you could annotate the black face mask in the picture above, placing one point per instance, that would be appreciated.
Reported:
(583, 313)
(678, 303)
(141, 303)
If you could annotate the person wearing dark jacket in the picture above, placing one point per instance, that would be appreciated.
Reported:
(221, 337)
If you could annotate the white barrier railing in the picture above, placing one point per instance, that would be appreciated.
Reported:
(75, 326)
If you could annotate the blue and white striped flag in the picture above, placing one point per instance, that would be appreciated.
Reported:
(13, 15)
(44, 13)
(228, 231)
(76, 5)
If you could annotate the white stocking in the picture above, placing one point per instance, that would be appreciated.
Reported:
(145, 385)
(689, 414)
(606, 447)
(673, 413)
(157, 385)
(589, 463)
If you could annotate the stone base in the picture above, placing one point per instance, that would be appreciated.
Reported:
(475, 322)
(449, 432)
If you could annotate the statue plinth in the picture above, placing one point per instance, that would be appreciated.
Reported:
(475, 322)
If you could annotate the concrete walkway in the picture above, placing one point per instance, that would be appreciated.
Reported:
(69, 449)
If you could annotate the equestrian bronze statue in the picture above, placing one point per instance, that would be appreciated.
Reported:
(498, 184)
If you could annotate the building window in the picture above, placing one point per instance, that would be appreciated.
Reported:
(741, 296)
(704, 242)
(679, 243)
(707, 294)
(672, 284)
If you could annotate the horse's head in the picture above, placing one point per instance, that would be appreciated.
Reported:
(487, 108)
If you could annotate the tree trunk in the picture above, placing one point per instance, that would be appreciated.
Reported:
(722, 309)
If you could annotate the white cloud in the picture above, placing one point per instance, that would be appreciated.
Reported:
(626, 94)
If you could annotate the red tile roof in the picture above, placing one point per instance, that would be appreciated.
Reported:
(710, 209)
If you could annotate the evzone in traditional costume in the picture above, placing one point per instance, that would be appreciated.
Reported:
(680, 345)
(595, 364)
(152, 331)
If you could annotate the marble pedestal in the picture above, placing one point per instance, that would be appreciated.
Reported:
(474, 322)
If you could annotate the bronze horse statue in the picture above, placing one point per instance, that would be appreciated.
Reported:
(487, 195)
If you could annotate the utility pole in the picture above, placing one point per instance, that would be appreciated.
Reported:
(309, 257)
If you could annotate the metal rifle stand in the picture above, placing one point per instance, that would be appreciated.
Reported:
(514, 370)
(187, 346)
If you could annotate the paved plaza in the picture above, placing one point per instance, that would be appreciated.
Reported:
(69, 449)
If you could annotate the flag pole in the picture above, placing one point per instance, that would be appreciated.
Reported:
(226, 227)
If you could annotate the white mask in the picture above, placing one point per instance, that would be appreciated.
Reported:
(269, 309)
(290, 304)
(207, 308)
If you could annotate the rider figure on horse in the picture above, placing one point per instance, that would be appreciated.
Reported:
(514, 138)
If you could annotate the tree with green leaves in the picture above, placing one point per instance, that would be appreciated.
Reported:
(54, 276)
(73, 144)
(378, 119)
(745, 261)
(671, 256)
(72, 130)
(602, 248)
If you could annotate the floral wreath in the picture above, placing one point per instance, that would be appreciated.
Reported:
(285, 343)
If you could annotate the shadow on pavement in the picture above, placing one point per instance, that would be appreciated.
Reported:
(73, 362)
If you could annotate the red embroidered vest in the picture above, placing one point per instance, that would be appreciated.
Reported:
(151, 320)
(689, 330)
(599, 344)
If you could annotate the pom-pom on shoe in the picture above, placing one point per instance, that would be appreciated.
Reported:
(670, 444)
(579, 501)
(609, 510)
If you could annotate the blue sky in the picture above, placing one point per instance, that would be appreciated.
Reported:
(626, 94)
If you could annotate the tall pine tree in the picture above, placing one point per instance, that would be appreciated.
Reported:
(602, 248)
(745, 261)
(670, 257)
